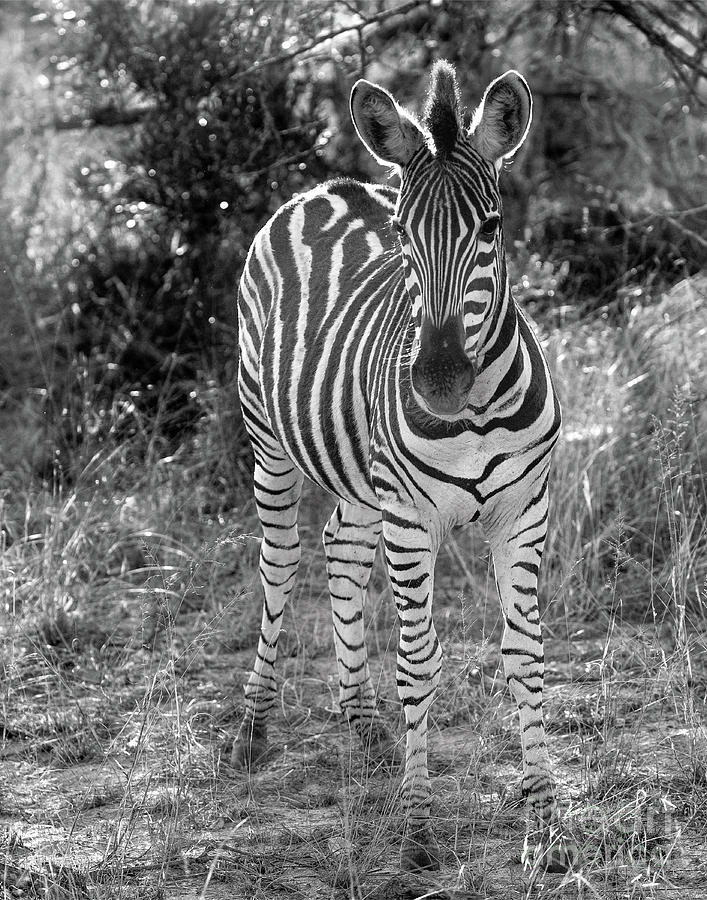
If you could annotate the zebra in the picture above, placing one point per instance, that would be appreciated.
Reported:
(383, 356)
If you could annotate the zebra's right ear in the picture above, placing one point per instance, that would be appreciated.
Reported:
(387, 131)
(501, 123)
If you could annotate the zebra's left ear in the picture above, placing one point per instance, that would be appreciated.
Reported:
(502, 120)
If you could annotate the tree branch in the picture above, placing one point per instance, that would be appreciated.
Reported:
(631, 12)
(655, 10)
(330, 35)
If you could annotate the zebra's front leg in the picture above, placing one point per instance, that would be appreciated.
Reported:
(517, 558)
(350, 540)
(410, 553)
(277, 492)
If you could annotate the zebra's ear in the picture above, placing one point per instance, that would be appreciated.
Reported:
(387, 131)
(502, 120)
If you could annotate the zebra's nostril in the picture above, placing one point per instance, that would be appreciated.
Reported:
(468, 377)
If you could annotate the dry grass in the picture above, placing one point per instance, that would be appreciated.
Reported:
(131, 615)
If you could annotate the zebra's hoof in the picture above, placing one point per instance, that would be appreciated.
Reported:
(250, 746)
(419, 852)
(560, 857)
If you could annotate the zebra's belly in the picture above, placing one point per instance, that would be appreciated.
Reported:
(352, 488)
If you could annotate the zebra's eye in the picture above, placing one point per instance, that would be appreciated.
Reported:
(489, 226)
(399, 229)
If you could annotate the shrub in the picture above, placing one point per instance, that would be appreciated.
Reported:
(218, 144)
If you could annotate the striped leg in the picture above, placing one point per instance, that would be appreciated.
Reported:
(516, 563)
(278, 486)
(350, 540)
(410, 555)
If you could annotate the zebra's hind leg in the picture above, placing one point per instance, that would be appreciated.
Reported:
(350, 539)
(278, 486)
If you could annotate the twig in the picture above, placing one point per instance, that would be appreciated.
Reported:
(287, 160)
(330, 35)
(631, 12)
(685, 230)
(670, 216)
(655, 10)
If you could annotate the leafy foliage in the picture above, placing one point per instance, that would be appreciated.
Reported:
(214, 151)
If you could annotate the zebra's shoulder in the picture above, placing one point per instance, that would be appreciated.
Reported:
(332, 203)
(364, 199)
(370, 202)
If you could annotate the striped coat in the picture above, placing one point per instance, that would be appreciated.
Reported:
(382, 355)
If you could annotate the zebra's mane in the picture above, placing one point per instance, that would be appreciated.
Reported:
(441, 114)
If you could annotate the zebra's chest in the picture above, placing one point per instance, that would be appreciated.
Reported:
(451, 475)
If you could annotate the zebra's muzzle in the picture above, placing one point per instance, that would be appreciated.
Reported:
(442, 374)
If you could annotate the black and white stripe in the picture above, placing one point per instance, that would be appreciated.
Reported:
(383, 356)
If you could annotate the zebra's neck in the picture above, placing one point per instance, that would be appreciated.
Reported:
(501, 334)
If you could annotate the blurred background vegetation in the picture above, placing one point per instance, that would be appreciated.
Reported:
(145, 141)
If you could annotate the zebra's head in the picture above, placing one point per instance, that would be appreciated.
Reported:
(448, 219)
